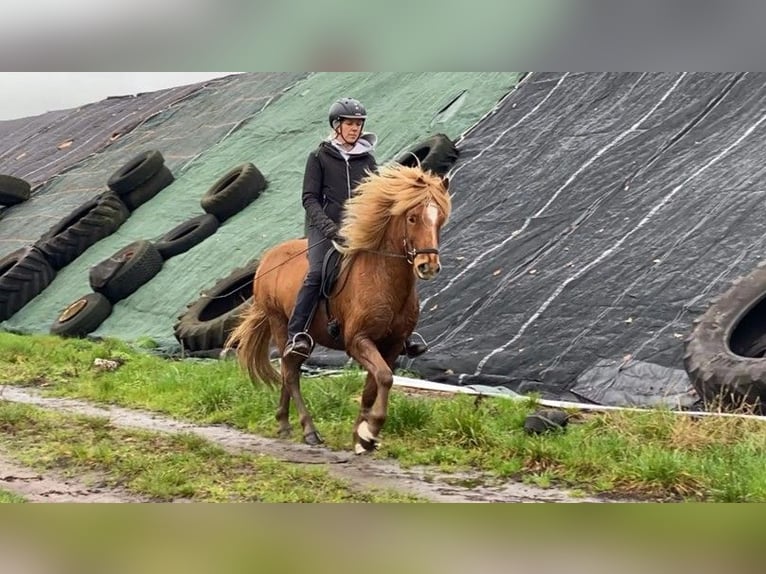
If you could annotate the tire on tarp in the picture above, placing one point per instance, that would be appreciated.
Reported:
(126, 271)
(725, 352)
(13, 190)
(136, 171)
(82, 316)
(186, 235)
(234, 191)
(436, 153)
(24, 274)
(147, 190)
(209, 320)
(86, 225)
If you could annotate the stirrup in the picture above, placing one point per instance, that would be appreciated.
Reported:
(290, 347)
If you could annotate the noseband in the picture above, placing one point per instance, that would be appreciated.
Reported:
(411, 253)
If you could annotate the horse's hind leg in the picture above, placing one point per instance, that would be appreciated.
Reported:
(279, 331)
(283, 411)
(380, 378)
(292, 380)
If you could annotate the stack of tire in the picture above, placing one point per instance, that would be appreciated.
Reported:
(131, 267)
(136, 182)
(207, 322)
(25, 272)
(140, 179)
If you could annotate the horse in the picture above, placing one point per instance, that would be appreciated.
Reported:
(391, 228)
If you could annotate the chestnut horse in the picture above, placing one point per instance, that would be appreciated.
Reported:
(391, 226)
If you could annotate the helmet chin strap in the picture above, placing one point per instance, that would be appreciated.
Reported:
(350, 142)
(339, 134)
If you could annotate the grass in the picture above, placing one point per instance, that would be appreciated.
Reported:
(9, 497)
(653, 454)
(164, 467)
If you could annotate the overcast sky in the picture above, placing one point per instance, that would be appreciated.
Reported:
(31, 93)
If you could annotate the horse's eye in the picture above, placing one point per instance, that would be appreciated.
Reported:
(412, 219)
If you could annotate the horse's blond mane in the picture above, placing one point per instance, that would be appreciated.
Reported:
(391, 192)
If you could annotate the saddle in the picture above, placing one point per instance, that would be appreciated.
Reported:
(330, 272)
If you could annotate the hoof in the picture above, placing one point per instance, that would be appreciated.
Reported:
(313, 439)
(285, 433)
(366, 446)
(366, 441)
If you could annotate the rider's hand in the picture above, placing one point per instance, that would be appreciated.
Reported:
(339, 242)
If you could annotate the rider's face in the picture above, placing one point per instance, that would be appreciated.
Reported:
(350, 129)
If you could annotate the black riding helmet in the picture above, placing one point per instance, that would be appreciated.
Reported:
(346, 108)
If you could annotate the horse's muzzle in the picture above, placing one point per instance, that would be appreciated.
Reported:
(427, 266)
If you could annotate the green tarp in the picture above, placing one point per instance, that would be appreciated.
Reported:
(240, 121)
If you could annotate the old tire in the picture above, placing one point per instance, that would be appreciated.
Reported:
(209, 320)
(724, 352)
(437, 154)
(24, 274)
(13, 190)
(82, 316)
(136, 171)
(147, 190)
(234, 191)
(124, 272)
(545, 420)
(186, 235)
(86, 225)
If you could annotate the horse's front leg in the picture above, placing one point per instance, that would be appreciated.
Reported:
(380, 378)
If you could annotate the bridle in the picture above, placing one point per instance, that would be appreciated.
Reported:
(409, 252)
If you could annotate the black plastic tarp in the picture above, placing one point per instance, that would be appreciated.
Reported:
(594, 216)
(40, 147)
(73, 153)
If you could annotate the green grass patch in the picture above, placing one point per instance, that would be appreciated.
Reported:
(164, 467)
(10, 498)
(656, 454)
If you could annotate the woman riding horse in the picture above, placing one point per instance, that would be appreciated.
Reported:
(332, 174)
(391, 228)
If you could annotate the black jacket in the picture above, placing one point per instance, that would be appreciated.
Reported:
(329, 180)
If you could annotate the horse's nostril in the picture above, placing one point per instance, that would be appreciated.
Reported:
(423, 268)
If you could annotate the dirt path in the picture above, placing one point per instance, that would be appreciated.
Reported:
(34, 486)
(360, 471)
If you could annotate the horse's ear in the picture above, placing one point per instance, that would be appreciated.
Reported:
(445, 182)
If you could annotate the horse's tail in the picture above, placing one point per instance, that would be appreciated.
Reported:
(251, 338)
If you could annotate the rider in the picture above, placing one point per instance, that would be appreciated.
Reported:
(332, 173)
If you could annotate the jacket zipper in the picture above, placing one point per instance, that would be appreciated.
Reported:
(348, 180)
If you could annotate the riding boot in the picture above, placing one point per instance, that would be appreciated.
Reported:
(414, 348)
(299, 342)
